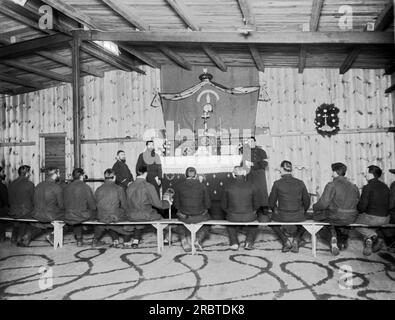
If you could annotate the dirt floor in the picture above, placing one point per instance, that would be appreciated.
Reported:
(71, 272)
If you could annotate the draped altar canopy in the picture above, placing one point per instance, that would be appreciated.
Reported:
(233, 95)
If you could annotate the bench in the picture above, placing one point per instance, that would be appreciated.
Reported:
(310, 226)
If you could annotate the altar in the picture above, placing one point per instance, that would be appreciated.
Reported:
(215, 171)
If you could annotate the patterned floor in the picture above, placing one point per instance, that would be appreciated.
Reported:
(217, 273)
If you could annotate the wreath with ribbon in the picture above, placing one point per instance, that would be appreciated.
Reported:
(327, 119)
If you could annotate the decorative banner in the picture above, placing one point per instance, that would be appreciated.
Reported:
(231, 95)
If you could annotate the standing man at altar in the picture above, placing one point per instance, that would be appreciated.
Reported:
(254, 160)
(154, 166)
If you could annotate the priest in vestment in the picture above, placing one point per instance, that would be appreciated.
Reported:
(154, 166)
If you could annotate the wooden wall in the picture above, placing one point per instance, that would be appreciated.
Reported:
(118, 106)
(286, 123)
(116, 113)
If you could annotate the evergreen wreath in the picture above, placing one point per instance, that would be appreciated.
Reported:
(327, 119)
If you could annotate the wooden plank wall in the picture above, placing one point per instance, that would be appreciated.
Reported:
(113, 107)
(289, 119)
(119, 105)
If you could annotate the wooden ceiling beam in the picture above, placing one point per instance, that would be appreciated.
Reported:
(183, 12)
(102, 54)
(29, 46)
(175, 57)
(390, 69)
(385, 18)
(128, 15)
(89, 70)
(19, 81)
(41, 72)
(73, 13)
(349, 60)
(316, 14)
(163, 37)
(135, 21)
(215, 58)
(140, 55)
(246, 11)
(84, 19)
(302, 58)
(257, 57)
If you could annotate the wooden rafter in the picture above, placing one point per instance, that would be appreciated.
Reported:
(140, 55)
(118, 62)
(84, 19)
(246, 11)
(21, 82)
(302, 58)
(41, 72)
(215, 58)
(89, 70)
(59, 59)
(390, 69)
(129, 16)
(349, 60)
(163, 37)
(183, 12)
(175, 57)
(385, 18)
(30, 46)
(316, 14)
(257, 57)
(135, 21)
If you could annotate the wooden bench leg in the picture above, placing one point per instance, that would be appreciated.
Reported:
(159, 236)
(313, 229)
(193, 228)
(57, 234)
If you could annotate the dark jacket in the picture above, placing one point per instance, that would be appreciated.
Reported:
(110, 202)
(153, 170)
(21, 198)
(4, 205)
(290, 196)
(191, 197)
(257, 156)
(123, 174)
(239, 201)
(339, 200)
(392, 202)
(375, 199)
(141, 197)
(79, 202)
(48, 201)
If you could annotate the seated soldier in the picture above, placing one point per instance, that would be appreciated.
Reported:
(48, 206)
(240, 202)
(289, 200)
(21, 197)
(4, 206)
(142, 199)
(192, 201)
(373, 209)
(79, 204)
(111, 207)
(338, 206)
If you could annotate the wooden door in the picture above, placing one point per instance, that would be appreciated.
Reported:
(55, 154)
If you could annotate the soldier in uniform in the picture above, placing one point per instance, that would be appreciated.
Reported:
(254, 159)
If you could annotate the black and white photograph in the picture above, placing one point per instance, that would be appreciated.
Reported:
(195, 155)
